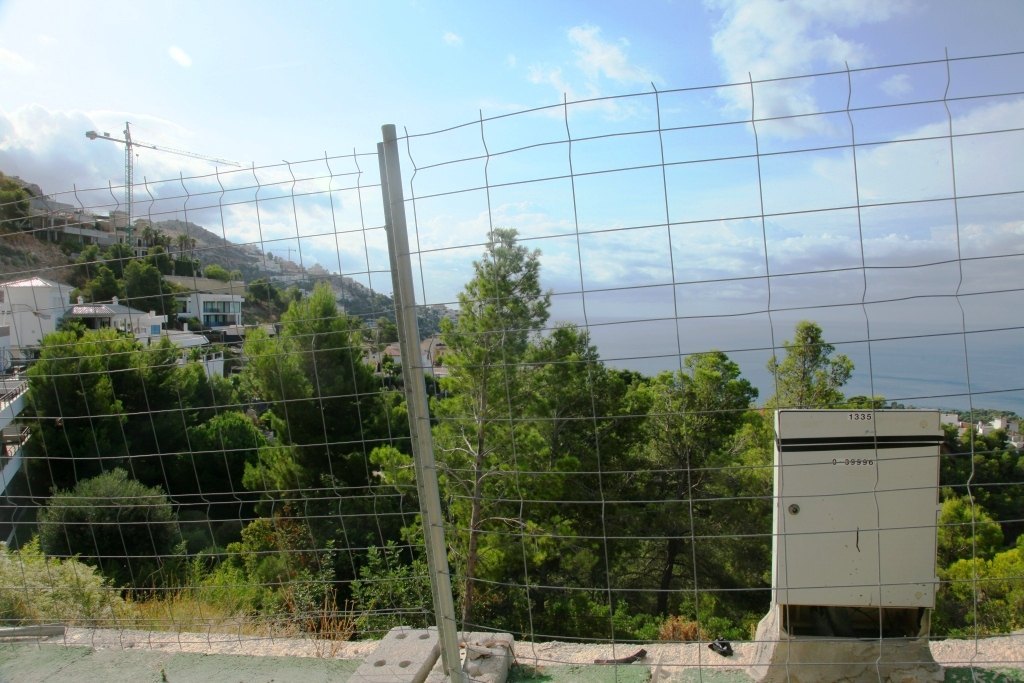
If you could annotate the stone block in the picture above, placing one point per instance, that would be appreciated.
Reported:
(486, 658)
(404, 655)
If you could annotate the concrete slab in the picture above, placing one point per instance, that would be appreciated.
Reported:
(486, 658)
(781, 658)
(54, 663)
(576, 673)
(404, 655)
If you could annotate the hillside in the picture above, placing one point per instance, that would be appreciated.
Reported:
(212, 248)
(23, 254)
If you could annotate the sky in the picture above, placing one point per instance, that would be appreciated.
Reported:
(297, 93)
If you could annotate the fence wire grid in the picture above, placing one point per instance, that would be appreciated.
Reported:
(210, 423)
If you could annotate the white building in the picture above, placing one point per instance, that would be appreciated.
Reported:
(5, 348)
(1011, 427)
(212, 302)
(145, 326)
(148, 328)
(32, 308)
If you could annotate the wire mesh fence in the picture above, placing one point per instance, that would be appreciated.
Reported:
(607, 301)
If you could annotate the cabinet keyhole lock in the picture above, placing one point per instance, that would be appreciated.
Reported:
(794, 509)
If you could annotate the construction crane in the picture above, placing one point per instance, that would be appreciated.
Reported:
(128, 161)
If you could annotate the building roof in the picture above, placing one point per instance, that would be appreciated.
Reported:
(103, 310)
(185, 339)
(33, 282)
(205, 285)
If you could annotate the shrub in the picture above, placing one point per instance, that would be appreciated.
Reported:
(391, 591)
(678, 629)
(277, 571)
(125, 528)
(37, 589)
(982, 596)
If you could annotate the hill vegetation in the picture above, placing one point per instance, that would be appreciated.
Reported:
(175, 247)
(582, 501)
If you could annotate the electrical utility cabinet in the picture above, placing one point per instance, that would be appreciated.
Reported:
(856, 503)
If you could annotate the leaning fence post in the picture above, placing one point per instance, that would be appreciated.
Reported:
(416, 397)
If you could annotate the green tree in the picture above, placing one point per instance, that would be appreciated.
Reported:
(324, 402)
(216, 271)
(995, 472)
(499, 310)
(14, 205)
(263, 291)
(693, 417)
(966, 531)
(146, 289)
(117, 257)
(285, 570)
(158, 257)
(810, 376)
(570, 429)
(123, 527)
(980, 596)
(385, 332)
(85, 268)
(186, 247)
(98, 399)
(219, 449)
(104, 287)
(78, 417)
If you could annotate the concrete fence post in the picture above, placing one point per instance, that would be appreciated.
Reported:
(416, 397)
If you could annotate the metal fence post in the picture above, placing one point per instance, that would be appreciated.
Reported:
(416, 397)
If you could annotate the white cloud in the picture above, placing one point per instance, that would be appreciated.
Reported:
(179, 56)
(598, 58)
(12, 61)
(452, 38)
(553, 76)
(763, 39)
(896, 85)
(49, 148)
(511, 61)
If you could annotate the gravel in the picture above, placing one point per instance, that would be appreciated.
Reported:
(663, 660)
(996, 652)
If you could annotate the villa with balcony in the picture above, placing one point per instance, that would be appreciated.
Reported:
(214, 303)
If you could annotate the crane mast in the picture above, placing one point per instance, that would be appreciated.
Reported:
(128, 180)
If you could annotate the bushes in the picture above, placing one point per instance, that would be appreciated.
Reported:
(982, 596)
(391, 592)
(982, 589)
(37, 589)
(277, 571)
(126, 529)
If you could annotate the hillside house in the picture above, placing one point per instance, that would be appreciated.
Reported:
(214, 303)
(432, 349)
(31, 308)
(1011, 427)
(148, 328)
(95, 316)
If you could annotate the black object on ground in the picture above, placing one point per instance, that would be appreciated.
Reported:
(722, 647)
(640, 654)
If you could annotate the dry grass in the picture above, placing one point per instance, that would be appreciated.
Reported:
(678, 629)
(184, 611)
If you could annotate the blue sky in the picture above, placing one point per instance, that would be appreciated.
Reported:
(266, 81)
(262, 82)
